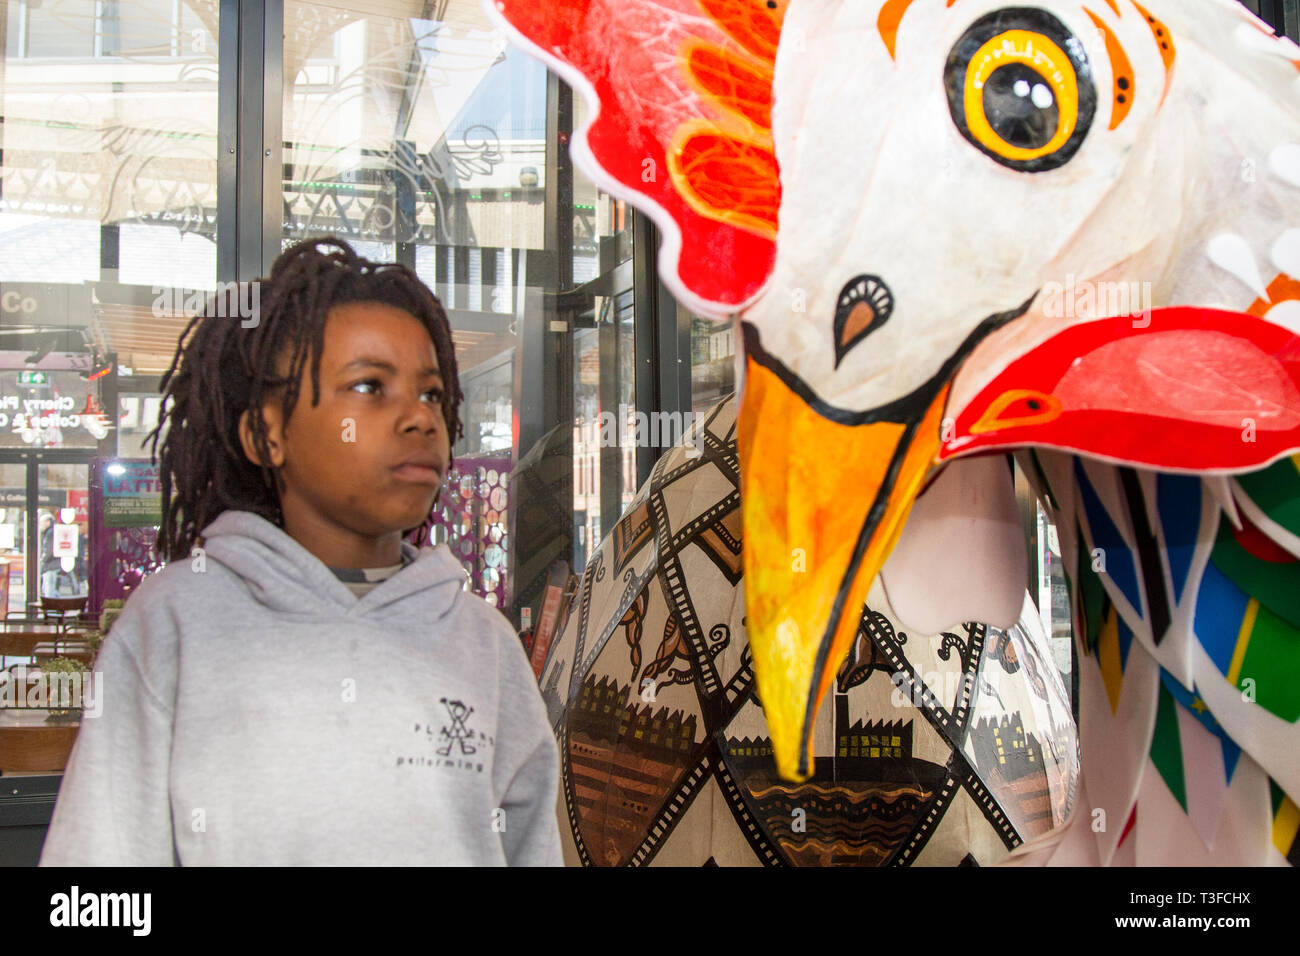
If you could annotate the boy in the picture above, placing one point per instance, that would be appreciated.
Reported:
(300, 686)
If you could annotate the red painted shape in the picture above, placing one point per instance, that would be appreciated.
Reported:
(1260, 545)
(644, 97)
(1128, 827)
(1190, 390)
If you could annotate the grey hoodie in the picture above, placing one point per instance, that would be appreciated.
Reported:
(254, 711)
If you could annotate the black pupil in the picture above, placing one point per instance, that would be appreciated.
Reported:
(1034, 405)
(1021, 106)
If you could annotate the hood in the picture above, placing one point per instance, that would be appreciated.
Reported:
(284, 576)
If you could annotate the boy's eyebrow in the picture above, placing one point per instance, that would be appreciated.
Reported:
(389, 367)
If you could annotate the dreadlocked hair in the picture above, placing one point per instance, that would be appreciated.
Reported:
(221, 369)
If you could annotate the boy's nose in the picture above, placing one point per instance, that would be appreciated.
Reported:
(421, 416)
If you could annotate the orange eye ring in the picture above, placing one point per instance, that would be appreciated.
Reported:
(1026, 407)
(1020, 89)
(1039, 58)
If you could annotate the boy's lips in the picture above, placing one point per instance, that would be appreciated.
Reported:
(420, 469)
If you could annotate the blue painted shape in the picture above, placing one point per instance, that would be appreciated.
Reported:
(1125, 640)
(1231, 752)
(1120, 566)
(1220, 609)
(1178, 502)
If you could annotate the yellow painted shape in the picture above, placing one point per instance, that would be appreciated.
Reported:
(1285, 825)
(1243, 641)
(1112, 670)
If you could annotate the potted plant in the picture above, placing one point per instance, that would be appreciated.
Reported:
(60, 680)
(108, 614)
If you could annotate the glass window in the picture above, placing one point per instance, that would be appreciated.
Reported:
(58, 28)
(425, 141)
(108, 199)
(137, 417)
(13, 533)
(713, 360)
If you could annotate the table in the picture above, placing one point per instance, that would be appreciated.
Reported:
(74, 650)
(22, 642)
(29, 743)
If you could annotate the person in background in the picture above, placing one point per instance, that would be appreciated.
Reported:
(50, 564)
(342, 700)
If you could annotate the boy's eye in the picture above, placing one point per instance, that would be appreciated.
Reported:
(434, 395)
(369, 387)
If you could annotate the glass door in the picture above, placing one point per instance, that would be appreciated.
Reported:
(63, 523)
(13, 535)
(44, 526)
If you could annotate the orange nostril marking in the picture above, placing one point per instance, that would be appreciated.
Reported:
(858, 321)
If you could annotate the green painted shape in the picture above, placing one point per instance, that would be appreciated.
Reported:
(1276, 795)
(1272, 661)
(1276, 490)
(1275, 586)
(1167, 749)
(1092, 596)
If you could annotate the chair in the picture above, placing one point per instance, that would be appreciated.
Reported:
(63, 611)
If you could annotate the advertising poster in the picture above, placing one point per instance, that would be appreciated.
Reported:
(132, 495)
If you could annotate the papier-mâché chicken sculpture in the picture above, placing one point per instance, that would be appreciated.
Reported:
(953, 228)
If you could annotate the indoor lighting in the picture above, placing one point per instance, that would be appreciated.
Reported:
(98, 370)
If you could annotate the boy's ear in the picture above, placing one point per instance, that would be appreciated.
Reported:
(274, 436)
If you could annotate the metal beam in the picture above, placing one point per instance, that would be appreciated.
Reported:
(272, 138)
(663, 339)
(1282, 15)
(250, 92)
(227, 140)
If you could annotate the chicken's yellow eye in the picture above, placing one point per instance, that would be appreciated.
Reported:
(1020, 89)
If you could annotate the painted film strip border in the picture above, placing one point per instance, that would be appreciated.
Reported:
(749, 827)
(634, 586)
(705, 519)
(669, 475)
(988, 804)
(571, 807)
(673, 810)
(584, 620)
(974, 651)
(925, 829)
(930, 706)
(736, 692)
(670, 570)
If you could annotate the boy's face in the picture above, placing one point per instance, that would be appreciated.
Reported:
(367, 462)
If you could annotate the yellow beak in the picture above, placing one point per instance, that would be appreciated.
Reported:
(824, 504)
